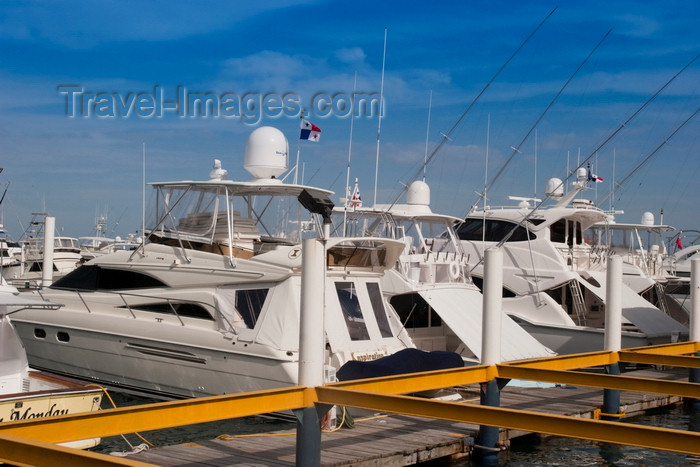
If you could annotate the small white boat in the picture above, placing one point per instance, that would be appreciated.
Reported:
(29, 269)
(26, 393)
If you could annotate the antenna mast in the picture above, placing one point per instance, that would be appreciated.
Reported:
(379, 121)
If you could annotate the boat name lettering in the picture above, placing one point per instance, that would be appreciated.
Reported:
(367, 357)
(27, 414)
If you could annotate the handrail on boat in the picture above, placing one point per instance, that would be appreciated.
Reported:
(218, 315)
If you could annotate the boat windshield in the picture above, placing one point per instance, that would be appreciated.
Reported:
(227, 214)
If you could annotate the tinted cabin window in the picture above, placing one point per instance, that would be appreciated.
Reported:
(496, 230)
(97, 278)
(558, 231)
(355, 321)
(189, 310)
(375, 296)
(414, 311)
(249, 304)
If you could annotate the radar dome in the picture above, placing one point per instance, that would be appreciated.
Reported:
(554, 188)
(418, 193)
(266, 153)
(582, 174)
(648, 218)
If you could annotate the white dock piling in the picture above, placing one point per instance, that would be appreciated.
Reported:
(695, 300)
(486, 444)
(694, 324)
(613, 305)
(311, 349)
(613, 333)
(47, 266)
(492, 312)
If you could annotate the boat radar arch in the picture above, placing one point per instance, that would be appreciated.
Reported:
(648, 218)
(554, 188)
(266, 153)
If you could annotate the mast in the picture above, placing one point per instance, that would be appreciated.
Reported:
(427, 134)
(347, 179)
(379, 121)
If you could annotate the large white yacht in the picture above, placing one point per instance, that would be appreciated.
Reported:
(430, 287)
(210, 301)
(554, 281)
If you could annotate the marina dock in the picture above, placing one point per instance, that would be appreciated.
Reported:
(397, 440)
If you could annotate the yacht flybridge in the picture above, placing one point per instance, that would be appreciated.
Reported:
(430, 287)
(554, 280)
(209, 303)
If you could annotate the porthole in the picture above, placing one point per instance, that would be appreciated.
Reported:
(63, 336)
(39, 333)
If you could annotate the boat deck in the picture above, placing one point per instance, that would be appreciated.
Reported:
(396, 440)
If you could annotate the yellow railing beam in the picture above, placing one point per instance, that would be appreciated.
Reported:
(660, 359)
(623, 383)
(568, 362)
(156, 416)
(424, 381)
(22, 451)
(678, 348)
(559, 425)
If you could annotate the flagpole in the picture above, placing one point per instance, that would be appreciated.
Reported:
(296, 166)
(347, 179)
(379, 123)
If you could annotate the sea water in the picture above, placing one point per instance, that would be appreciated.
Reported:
(527, 451)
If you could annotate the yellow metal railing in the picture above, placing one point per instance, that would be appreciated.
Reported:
(29, 442)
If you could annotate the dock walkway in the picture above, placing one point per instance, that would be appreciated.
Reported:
(397, 440)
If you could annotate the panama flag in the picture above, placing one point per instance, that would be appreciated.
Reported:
(309, 131)
(593, 177)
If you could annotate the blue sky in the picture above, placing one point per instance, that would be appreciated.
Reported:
(78, 168)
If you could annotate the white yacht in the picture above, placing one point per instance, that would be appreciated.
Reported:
(28, 270)
(677, 290)
(554, 281)
(27, 393)
(210, 303)
(430, 287)
(642, 248)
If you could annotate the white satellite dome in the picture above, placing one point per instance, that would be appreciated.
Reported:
(554, 188)
(582, 174)
(418, 194)
(648, 218)
(266, 153)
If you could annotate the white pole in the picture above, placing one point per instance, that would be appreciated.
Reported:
(379, 121)
(311, 326)
(492, 313)
(613, 305)
(695, 300)
(47, 267)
